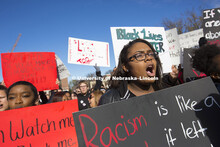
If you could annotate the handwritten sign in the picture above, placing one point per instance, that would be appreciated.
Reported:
(87, 52)
(155, 35)
(189, 73)
(211, 25)
(174, 46)
(49, 125)
(63, 72)
(173, 117)
(38, 68)
(190, 39)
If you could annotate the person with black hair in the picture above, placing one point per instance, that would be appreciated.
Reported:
(139, 72)
(22, 94)
(202, 41)
(206, 59)
(3, 98)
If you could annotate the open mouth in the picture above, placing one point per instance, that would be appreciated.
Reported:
(150, 70)
(1, 105)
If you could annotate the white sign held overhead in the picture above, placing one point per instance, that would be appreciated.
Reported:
(174, 46)
(63, 72)
(88, 52)
(190, 39)
(155, 35)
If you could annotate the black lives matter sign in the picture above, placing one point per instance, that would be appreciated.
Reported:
(211, 25)
(182, 116)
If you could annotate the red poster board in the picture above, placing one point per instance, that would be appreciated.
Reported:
(38, 68)
(48, 125)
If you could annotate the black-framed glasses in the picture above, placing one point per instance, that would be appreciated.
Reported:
(143, 56)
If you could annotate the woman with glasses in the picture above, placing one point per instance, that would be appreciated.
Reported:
(139, 72)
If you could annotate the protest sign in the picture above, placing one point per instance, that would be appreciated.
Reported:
(174, 46)
(173, 117)
(65, 84)
(211, 25)
(88, 52)
(190, 39)
(38, 68)
(155, 35)
(48, 125)
(189, 73)
(63, 72)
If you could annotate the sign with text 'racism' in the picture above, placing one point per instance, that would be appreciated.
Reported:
(38, 68)
(88, 52)
(211, 25)
(155, 35)
(182, 116)
(48, 125)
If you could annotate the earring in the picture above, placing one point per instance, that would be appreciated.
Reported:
(127, 70)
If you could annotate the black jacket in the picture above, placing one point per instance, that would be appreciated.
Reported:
(83, 102)
(122, 92)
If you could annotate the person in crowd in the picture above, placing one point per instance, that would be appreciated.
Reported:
(94, 98)
(83, 102)
(22, 94)
(140, 72)
(206, 59)
(202, 41)
(77, 90)
(73, 96)
(59, 97)
(3, 98)
(67, 93)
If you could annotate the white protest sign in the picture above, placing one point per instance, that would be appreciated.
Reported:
(155, 35)
(62, 70)
(190, 39)
(88, 52)
(174, 46)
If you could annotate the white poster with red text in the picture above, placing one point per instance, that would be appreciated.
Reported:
(88, 52)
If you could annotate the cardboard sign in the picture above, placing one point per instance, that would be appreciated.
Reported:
(189, 73)
(174, 46)
(155, 35)
(63, 72)
(65, 84)
(48, 125)
(38, 68)
(87, 52)
(211, 25)
(182, 116)
(190, 39)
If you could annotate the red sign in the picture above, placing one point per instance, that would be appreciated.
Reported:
(38, 68)
(48, 125)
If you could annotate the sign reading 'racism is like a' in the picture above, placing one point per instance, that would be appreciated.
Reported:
(181, 116)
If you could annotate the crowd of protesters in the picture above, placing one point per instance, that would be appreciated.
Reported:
(137, 59)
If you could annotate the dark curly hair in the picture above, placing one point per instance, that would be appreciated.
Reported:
(123, 60)
(203, 58)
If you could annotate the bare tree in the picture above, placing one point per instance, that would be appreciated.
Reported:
(189, 21)
(73, 84)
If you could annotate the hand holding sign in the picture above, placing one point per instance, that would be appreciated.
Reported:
(175, 72)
